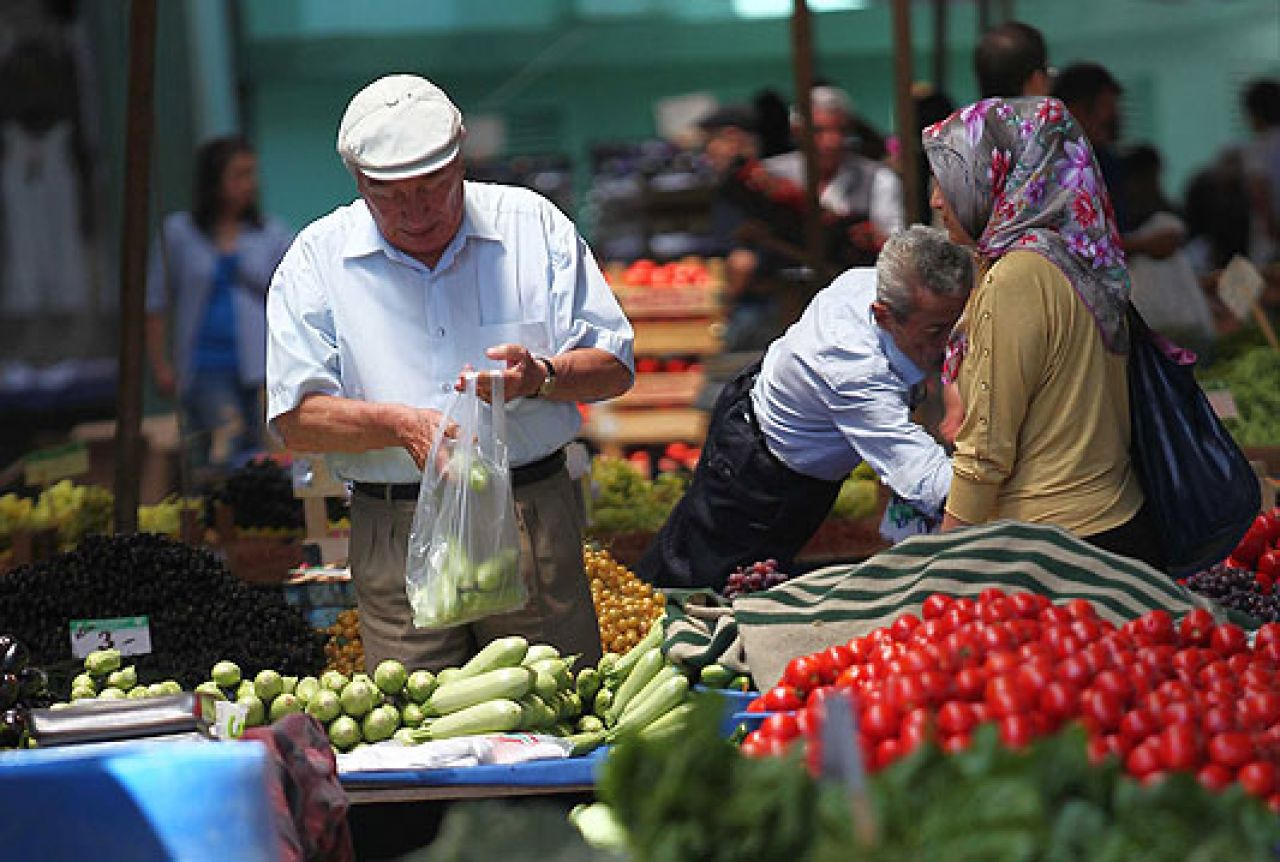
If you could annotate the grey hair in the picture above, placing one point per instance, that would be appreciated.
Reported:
(921, 258)
(826, 98)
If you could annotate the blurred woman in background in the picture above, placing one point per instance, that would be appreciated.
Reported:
(208, 276)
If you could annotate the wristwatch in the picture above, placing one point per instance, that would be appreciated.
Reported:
(549, 377)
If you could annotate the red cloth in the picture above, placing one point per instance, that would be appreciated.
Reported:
(308, 803)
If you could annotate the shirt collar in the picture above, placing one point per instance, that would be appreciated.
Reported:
(898, 361)
(364, 238)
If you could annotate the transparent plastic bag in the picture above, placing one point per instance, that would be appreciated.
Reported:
(464, 550)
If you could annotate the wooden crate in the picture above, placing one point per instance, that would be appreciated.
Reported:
(661, 389)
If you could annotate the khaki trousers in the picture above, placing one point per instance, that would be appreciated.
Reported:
(550, 521)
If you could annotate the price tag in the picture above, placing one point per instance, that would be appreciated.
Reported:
(1239, 287)
(130, 635)
(46, 466)
(1224, 406)
(229, 719)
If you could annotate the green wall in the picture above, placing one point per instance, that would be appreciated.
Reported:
(591, 70)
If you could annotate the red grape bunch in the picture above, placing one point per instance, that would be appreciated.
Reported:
(753, 578)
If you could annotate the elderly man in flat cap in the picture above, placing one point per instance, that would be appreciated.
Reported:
(376, 310)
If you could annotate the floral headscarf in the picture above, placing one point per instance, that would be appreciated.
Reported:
(1019, 174)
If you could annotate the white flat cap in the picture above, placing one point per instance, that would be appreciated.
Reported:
(399, 126)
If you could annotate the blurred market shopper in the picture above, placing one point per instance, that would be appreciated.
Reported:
(838, 388)
(1011, 60)
(1040, 355)
(376, 310)
(849, 185)
(208, 276)
(1261, 101)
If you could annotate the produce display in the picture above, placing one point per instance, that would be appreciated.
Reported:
(261, 495)
(1161, 697)
(753, 578)
(74, 510)
(625, 606)
(693, 796)
(22, 687)
(645, 272)
(623, 500)
(198, 612)
(344, 650)
(1245, 581)
(509, 685)
(165, 517)
(1252, 378)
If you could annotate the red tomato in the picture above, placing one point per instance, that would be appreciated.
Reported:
(1001, 662)
(1016, 731)
(966, 607)
(1138, 724)
(1215, 776)
(1228, 639)
(995, 609)
(1196, 627)
(956, 716)
(1102, 709)
(840, 657)
(1059, 700)
(887, 751)
(903, 626)
(1054, 615)
(935, 606)
(1156, 627)
(1258, 778)
(1028, 605)
(803, 672)
(990, 594)
(1217, 719)
(1232, 749)
(1261, 709)
(879, 721)
(1115, 682)
(970, 683)
(1239, 663)
(955, 743)
(1081, 609)
(1179, 712)
(781, 726)
(1144, 760)
(1075, 670)
(781, 698)
(937, 685)
(1180, 747)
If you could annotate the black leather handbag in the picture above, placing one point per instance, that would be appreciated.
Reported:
(1199, 486)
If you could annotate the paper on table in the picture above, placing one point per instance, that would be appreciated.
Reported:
(452, 753)
(1239, 286)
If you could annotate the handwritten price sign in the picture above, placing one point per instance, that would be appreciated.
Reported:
(130, 635)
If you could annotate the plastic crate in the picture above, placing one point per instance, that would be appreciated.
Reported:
(137, 801)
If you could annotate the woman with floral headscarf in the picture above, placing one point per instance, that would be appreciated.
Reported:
(1040, 355)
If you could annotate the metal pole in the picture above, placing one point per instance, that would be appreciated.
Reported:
(940, 45)
(133, 260)
(905, 108)
(802, 72)
(984, 16)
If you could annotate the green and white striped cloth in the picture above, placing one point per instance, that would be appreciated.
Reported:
(833, 605)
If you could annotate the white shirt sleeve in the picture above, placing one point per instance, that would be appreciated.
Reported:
(302, 343)
(886, 201)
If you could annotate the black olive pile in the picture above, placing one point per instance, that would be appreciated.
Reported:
(1238, 589)
(22, 686)
(198, 612)
(261, 495)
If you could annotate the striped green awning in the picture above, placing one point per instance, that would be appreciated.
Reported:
(835, 604)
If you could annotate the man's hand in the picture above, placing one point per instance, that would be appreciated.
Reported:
(521, 379)
(416, 430)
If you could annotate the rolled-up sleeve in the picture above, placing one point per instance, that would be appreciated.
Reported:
(873, 417)
(585, 313)
(302, 345)
(1005, 360)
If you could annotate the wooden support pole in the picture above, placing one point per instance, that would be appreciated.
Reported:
(905, 109)
(140, 125)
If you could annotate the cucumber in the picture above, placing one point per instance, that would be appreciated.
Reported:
(645, 693)
(508, 682)
(491, 716)
(666, 698)
(715, 676)
(645, 669)
(652, 639)
(667, 726)
(537, 652)
(501, 652)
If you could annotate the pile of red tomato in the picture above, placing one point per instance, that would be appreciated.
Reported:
(647, 273)
(1192, 696)
(1259, 550)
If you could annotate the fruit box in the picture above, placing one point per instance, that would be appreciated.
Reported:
(262, 559)
(662, 388)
